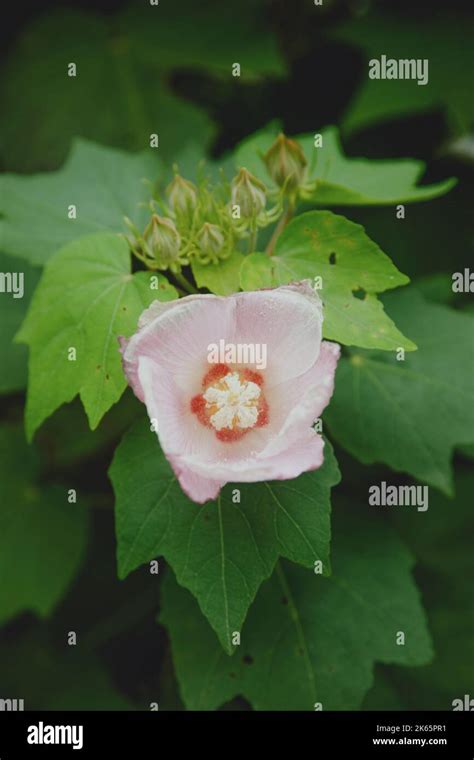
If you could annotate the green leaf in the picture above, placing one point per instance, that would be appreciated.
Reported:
(445, 41)
(119, 96)
(307, 639)
(410, 414)
(362, 182)
(13, 358)
(42, 536)
(353, 270)
(85, 300)
(341, 181)
(419, 247)
(103, 184)
(221, 551)
(222, 278)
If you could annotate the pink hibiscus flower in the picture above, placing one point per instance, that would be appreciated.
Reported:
(219, 416)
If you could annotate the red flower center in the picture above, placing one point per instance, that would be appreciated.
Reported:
(232, 402)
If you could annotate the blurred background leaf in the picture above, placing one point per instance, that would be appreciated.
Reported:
(121, 93)
(441, 539)
(117, 97)
(433, 33)
(14, 357)
(203, 35)
(42, 536)
(33, 669)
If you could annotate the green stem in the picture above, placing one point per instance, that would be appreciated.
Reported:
(287, 215)
(253, 237)
(184, 282)
(144, 259)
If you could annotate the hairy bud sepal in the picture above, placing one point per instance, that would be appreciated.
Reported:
(182, 198)
(249, 194)
(286, 164)
(212, 244)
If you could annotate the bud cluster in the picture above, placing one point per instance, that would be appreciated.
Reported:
(206, 223)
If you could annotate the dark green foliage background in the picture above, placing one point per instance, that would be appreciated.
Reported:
(307, 68)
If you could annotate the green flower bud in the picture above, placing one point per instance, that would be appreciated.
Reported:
(162, 241)
(182, 196)
(211, 243)
(248, 193)
(285, 162)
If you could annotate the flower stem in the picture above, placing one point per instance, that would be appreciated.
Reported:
(253, 237)
(144, 259)
(184, 282)
(284, 219)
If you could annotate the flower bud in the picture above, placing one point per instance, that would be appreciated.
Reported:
(162, 240)
(211, 242)
(248, 193)
(285, 162)
(182, 196)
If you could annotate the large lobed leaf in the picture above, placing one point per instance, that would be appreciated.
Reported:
(361, 181)
(353, 270)
(307, 639)
(410, 414)
(221, 551)
(102, 183)
(86, 299)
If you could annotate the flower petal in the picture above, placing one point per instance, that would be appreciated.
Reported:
(297, 403)
(177, 335)
(304, 455)
(288, 321)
